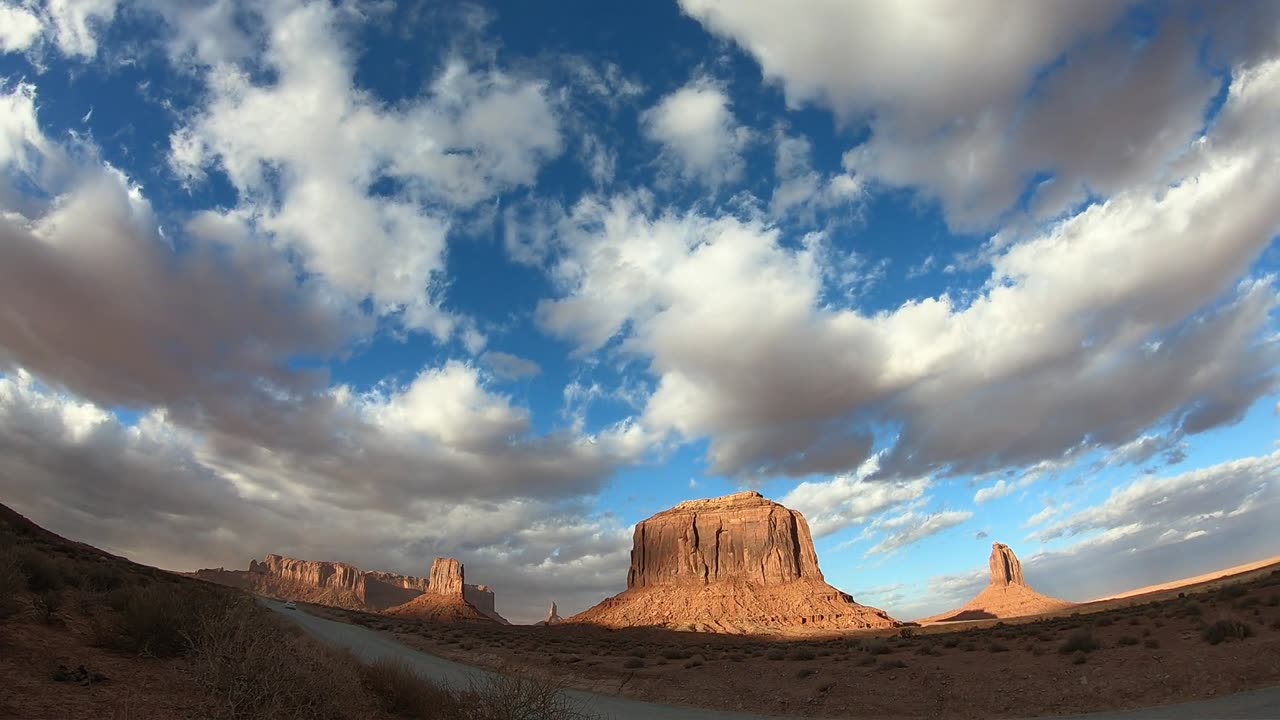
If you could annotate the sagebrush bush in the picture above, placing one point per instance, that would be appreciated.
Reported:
(401, 690)
(802, 654)
(41, 571)
(1226, 630)
(1079, 641)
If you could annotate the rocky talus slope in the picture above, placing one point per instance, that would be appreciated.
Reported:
(735, 564)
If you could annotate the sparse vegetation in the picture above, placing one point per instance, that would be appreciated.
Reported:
(1226, 630)
(1127, 640)
(633, 663)
(802, 654)
(1081, 641)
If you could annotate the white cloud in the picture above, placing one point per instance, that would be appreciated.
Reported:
(76, 22)
(802, 190)
(19, 27)
(1047, 513)
(700, 137)
(912, 527)
(850, 500)
(73, 467)
(471, 136)
(751, 351)
(1050, 91)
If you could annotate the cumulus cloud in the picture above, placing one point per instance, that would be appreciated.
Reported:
(19, 27)
(74, 467)
(1086, 335)
(701, 139)
(850, 500)
(803, 191)
(473, 134)
(1051, 94)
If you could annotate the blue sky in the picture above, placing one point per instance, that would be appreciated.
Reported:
(378, 281)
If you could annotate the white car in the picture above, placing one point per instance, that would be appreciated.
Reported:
(291, 605)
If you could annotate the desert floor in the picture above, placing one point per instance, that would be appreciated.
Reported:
(1221, 637)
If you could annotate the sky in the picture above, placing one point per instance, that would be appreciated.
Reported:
(381, 281)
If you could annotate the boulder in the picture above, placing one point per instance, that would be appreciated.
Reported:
(736, 564)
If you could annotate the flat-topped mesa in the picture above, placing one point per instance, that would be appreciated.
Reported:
(736, 564)
(312, 573)
(447, 577)
(1005, 567)
(743, 536)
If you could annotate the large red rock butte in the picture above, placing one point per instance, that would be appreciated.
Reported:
(735, 564)
(1006, 595)
(346, 586)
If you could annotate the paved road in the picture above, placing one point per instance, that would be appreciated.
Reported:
(371, 645)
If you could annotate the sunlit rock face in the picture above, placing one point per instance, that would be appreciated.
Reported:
(736, 564)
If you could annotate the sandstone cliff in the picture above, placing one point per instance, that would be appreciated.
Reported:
(1006, 595)
(346, 586)
(738, 564)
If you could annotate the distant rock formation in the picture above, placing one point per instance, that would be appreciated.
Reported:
(347, 586)
(446, 577)
(445, 598)
(1006, 595)
(553, 617)
(1006, 569)
(736, 564)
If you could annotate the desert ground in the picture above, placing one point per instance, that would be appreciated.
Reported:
(87, 635)
(1216, 638)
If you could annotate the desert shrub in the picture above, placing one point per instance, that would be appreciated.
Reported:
(677, 654)
(255, 671)
(737, 657)
(927, 650)
(157, 620)
(802, 654)
(695, 662)
(951, 642)
(633, 663)
(1275, 624)
(1126, 640)
(1151, 643)
(1080, 641)
(868, 660)
(877, 647)
(825, 687)
(803, 673)
(968, 647)
(1231, 592)
(45, 605)
(401, 690)
(1192, 610)
(1079, 658)
(1105, 621)
(1273, 601)
(521, 698)
(1135, 621)
(41, 571)
(637, 652)
(996, 647)
(776, 654)
(890, 665)
(1226, 630)
(12, 581)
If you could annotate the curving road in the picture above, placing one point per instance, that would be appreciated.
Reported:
(371, 645)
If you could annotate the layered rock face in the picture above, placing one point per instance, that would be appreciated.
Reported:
(739, 564)
(736, 537)
(1005, 566)
(446, 577)
(346, 586)
(1006, 595)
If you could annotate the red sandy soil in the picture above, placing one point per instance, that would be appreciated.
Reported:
(1149, 653)
(1001, 602)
